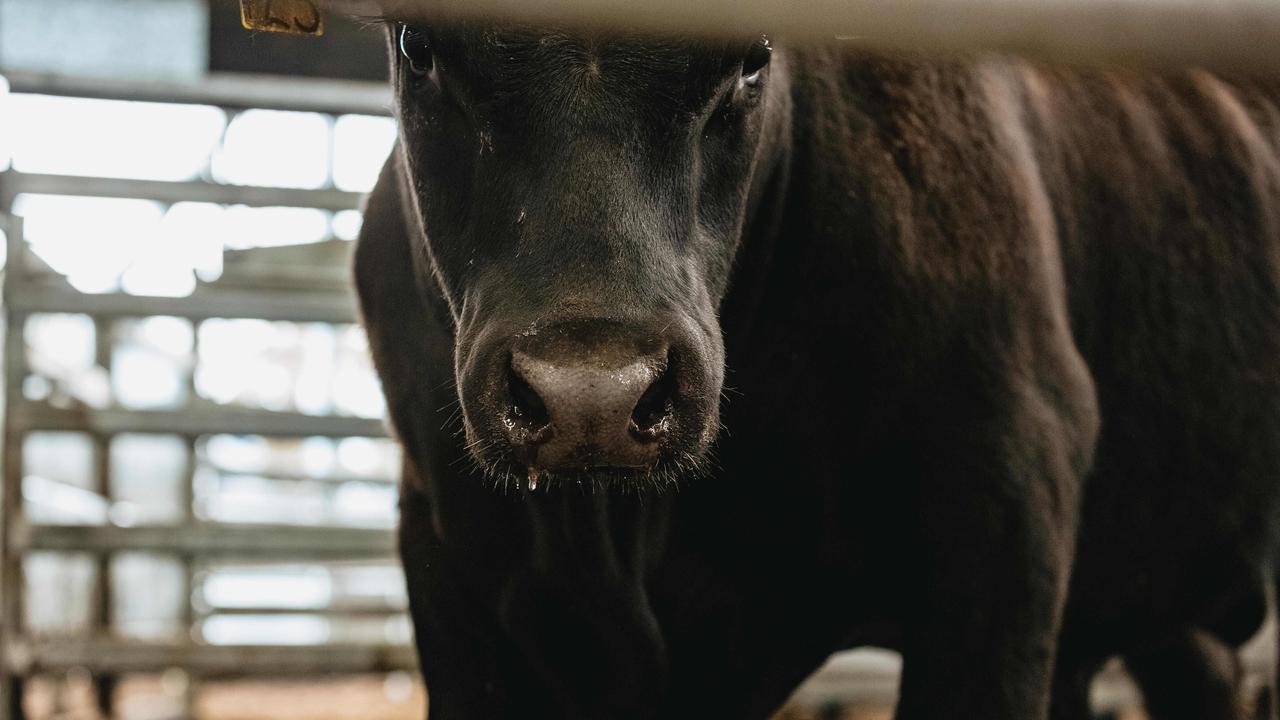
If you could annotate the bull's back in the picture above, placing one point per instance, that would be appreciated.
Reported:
(1166, 195)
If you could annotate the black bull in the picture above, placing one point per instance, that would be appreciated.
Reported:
(707, 366)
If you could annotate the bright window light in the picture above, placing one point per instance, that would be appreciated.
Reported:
(269, 386)
(372, 581)
(67, 341)
(311, 393)
(361, 144)
(236, 363)
(302, 588)
(110, 138)
(265, 630)
(317, 456)
(199, 229)
(170, 335)
(346, 224)
(59, 592)
(107, 244)
(89, 240)
(248, 453)
(54, 502)
(360, 456)
(147, 474)
(249, 227)
(156, 612)
(256, 499)
(143, 379)
(62, 356)
(64, 457)
(367, 504)
(356, 391)
(274, 148)
(6, 125)
(312, 368)
(162, 268)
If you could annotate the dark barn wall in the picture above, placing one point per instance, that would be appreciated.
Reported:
(349, 49)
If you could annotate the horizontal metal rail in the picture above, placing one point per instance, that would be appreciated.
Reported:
(183, 191)
(333, 278)
(297, 477)
(121, 657)
(1226, 35)
(344, 611)
(294, 306)
(209, 540)
(235, 92)
(203, 419)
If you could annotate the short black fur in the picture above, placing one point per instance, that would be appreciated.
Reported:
(921, 305)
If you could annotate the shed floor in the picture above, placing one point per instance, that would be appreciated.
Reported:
(395, 697)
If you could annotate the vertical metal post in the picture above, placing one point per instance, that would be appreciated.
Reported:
(104, 685)
(188, 497)
(11, 510)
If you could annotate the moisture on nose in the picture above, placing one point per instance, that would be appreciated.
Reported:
(594, 411)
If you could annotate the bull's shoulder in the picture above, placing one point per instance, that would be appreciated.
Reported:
(1151, 131)
(393, 288)
(383, 255)
(919, 181)
(407, 324)
(923, 174)
(382, 233)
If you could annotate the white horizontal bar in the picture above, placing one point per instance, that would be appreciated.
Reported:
(1226, 35)
(16, 182)
(234, 91)
(298, 306)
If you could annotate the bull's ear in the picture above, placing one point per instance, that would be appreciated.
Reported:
(300, 17)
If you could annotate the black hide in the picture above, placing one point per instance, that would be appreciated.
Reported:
(977, 360)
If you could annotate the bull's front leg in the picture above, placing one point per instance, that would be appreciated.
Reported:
(998, 510)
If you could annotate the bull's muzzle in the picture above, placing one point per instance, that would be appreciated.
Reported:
(607, 405)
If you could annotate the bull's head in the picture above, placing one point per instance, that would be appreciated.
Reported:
(581, 198)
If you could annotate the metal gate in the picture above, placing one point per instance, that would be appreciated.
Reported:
(303, 284)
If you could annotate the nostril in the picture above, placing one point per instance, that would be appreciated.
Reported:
(651, 417)
(527, 411)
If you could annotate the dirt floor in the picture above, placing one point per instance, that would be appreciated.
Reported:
(389, 697)
(856, 713)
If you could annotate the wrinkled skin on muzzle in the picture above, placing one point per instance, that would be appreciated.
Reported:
(580, 200)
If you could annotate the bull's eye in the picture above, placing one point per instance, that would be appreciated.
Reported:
(416, 50)
(756, 59)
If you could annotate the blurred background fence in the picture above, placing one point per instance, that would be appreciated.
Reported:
(197, 482)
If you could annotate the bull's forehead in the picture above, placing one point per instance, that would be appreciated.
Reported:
(504, 68)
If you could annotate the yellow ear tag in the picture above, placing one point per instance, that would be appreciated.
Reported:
(300, 17)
